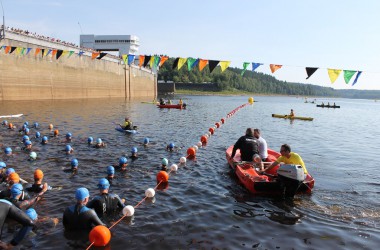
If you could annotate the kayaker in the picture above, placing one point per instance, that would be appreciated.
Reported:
(162, 102)
(169, 101)
(291, 113)
(79, 216)
(248, 146)
(287, 157)
(105, 203)
(127, 125)
(263, 147)
(9, 211)
(180, 102)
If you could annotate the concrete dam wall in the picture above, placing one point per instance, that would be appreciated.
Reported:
(35, 77)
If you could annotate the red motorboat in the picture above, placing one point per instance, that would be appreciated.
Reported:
(286, 180)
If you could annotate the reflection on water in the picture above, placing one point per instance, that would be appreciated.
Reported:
(204, 206)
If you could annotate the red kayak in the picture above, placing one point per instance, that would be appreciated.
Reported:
(171, 106)
(286, 180)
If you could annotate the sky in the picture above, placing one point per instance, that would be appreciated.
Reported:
(337, 34)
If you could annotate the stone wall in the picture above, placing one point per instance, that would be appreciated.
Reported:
(29, 77)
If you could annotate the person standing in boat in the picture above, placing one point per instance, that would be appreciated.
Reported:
(263, 146)
(248, 145)
(287, 157)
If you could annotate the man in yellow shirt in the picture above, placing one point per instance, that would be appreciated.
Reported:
(288, 157)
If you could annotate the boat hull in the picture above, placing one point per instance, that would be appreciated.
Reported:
(294, 117)
(328, 106)
(171, 106)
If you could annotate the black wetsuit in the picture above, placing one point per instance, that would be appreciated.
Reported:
(6, 193)
(35, 188)
(8, 210)
(80, 217)
(248, 146)
(106, 204)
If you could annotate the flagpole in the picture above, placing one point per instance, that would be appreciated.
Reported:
(3, 36)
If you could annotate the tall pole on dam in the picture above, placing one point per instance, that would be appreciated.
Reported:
(2, 36)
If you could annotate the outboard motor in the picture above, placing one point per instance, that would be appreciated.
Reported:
(291, 176)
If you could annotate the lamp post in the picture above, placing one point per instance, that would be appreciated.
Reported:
(3, 36)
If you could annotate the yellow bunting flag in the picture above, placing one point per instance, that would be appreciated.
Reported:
(141, 60)
(224, 65)
(274, 67)
(202, 64)
(65, 52)
(94, 55)
(37, 51)
(181, 62)
(53, 53)
(18, 50)
(151, 61)
(163, 59)
(124, 58)
(333, 74)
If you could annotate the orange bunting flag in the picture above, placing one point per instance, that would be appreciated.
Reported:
(181, 62)
(53, 53)
(7, 49)
(202, 64)
(224, 65)
(333, 74)
(141, 60)
(274, 67)
(163, 59)
(95, 55)
(37, 51)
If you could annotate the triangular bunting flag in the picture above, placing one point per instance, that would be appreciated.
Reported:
(94, 55)
(156, 62)
(357, 77)
(18, 50)
(310, 71)
(42, 52)
(23, 51)
(7, 49)
(212, 65)
(175, 63)
(146, 60)
(12, 49)
(190, 62)
(70, 53)
(37, 51)
(333, 74)
(151, 61)
(101, 55)
(245, 66)
(28, 50)
(48, 52)
(195, 64)
(274, 67)
(141, 60)
(124, 57)
(80, 53)
(65, 52)
(163, 59)
(181, 62)
(59, 53)
(131, 59)
(2, 47)
(255, 66)
(224, 65)
(202, 64)
(348, 74)
(53, 53)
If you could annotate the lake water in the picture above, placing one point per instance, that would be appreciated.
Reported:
(204, 206)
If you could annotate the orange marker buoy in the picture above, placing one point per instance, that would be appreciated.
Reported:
(222, 120)
(217, 125)
(211, 130)
(162, 176)
(100, 235)
(191, 151)
(203, 139)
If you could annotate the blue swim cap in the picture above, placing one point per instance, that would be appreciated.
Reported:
(36, 124)
(103, 184)
(9, 171)
(2, 165)
(171, 145)
(164, 162)
(81, 194)
(44, 138)
(146, 140)
(7, 150)
(90, 139)
(110, 170)
(16, 190)
(98, 140)
(74, 163)
(31, 213)
(27, 131)
(27, 143)
(38, 134)
(67, 148)
(68, 135)
(134, 150)
(26, 124)
(25, 138)
(5, 122)
(123, 160)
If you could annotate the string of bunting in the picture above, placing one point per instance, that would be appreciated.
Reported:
(101, 235)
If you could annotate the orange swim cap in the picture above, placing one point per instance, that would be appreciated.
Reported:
(14, 177)
(50, 126)
(10, 125)
(56, 132)
(38, 174)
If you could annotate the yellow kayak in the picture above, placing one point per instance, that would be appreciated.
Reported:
(294, 117)
(151, 102)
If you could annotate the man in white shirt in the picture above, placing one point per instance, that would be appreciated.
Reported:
(263, 147)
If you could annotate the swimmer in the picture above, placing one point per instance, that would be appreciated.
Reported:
(78, 216)
(38, 134)
(8, 151)
(35, 125)
(146, 142)
(110, 174)
(25, 138)
(164, 164)
(28, 145)
(4, 123)
(90, 140)
(3, 169)
(69, 149)
(18, 197)
(134, 155)
(105, 203)
(68, 137)
(44, 140)
(99, 143)
(32, 156)
(74, 167)
(38, 187)
(123, 163)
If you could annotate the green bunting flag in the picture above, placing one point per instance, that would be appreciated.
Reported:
(245, 66)
(348, 74)
(190, 63)
(70, 53)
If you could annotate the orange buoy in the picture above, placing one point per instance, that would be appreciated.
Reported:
(162, 176)
(191, 151)
(217, 125)
(100, 235)
(203, 139)
(211, 130)
(222, 120)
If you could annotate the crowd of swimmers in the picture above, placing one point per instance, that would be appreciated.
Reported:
(18, 197)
